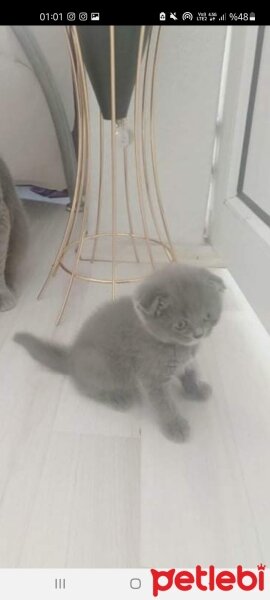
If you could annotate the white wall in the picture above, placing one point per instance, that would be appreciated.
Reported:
(187, 87)
(187, 91)
(28, 141)
(189, 75)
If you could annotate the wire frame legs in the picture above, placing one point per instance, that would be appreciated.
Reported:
(152, 231)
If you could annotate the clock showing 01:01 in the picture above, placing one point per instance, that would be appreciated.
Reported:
(51, 16)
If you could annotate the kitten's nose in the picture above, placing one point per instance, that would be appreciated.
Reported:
(198, 333)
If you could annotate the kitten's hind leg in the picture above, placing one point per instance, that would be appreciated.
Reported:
(194, 389)
(7, 300)
(120, 400)
(93, 376)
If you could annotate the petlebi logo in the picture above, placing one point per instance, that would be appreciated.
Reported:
(208, 579)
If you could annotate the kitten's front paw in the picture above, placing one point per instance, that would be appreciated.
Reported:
(176, 430)
(7, 300)
(202, 391)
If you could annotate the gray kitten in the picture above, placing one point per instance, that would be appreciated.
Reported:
(142, 343)
(13, 237)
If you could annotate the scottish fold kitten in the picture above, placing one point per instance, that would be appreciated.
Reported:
(13, 237)
(142, 343)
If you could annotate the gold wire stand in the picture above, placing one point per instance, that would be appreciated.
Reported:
(150, 209)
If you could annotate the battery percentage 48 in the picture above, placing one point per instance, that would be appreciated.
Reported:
(239, 16)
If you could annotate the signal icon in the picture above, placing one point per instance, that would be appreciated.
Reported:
(187, 15)
(223, 17)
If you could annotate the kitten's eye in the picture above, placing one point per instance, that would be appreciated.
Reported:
(181, 325)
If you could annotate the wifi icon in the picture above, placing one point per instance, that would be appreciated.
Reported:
(187, 15)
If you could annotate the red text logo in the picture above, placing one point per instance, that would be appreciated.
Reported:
(208, 579)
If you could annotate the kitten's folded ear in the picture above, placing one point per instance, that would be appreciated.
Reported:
(151, 302)
(217, 282)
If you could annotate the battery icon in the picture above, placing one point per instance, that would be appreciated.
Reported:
(252, 17)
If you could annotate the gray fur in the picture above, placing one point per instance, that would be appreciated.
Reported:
(13, 237)
(54, 357)
(142, 343)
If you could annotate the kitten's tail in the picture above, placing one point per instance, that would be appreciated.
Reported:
(53, 356)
